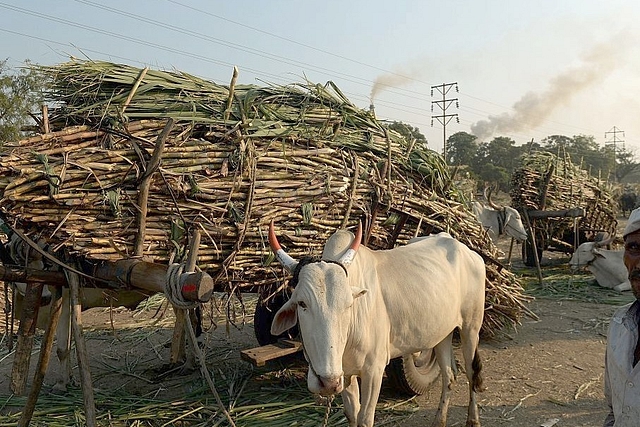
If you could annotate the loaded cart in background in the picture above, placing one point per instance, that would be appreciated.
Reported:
(562, 204)
(131, 164)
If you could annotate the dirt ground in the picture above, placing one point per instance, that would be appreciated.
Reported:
(550, 369)
(546, 372)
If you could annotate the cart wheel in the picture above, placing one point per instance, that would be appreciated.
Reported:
(263, 316)
(413, 374)
(528, 256)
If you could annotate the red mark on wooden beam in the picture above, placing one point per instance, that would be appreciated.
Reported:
(189, 288)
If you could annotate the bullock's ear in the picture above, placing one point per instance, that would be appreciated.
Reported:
(597, 252)
(285, 319)
(357, 292)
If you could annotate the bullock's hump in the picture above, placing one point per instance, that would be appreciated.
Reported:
(443, 242)
(337, 244)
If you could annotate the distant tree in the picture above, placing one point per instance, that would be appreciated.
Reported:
(410, 133)
(626, 164)
(21, 94)
(495, 176)
(462, 148)
(496, 160)
(583, 150)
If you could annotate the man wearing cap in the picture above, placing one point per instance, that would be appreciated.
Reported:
(622, 371)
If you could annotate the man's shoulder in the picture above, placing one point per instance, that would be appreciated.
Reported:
(622, 312)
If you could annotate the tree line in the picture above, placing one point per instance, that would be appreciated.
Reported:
(494, 161)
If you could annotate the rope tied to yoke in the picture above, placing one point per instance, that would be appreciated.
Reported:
(173, 288)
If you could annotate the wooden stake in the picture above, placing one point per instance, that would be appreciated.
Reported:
(45, 118)
(134, 88)
(510, 252)
(533, 244)
(232, 87)
(81, 350)
(43, 361)
(26, 333)
(178, 338)
(197, 352)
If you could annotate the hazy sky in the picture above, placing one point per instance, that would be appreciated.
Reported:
(524, 69)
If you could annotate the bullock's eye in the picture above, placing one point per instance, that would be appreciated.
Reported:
(302, 305)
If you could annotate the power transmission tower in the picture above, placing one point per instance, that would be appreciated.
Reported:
(614, 142)
(444, 104)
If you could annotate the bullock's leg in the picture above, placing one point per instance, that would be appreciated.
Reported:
(63, 345)
(473, 369)
(351, 400)
(369, 393)
(444, 355)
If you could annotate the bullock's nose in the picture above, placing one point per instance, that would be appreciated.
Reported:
(331, 385)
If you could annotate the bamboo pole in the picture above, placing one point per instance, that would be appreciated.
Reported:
(81, 350)
(43, 361)
(26, 333)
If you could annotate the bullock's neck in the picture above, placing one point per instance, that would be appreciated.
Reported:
(362, 275)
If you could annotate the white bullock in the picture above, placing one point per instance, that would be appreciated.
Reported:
(90, 298)
(358, 308)
(606, 265)
(499, 221)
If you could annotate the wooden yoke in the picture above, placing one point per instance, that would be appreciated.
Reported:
(134, 273)
(125, 274)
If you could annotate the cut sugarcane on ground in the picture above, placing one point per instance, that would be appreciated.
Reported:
(551, 368)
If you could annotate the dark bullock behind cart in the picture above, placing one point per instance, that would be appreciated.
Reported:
(130, 164)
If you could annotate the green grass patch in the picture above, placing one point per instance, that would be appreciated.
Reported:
(560, 283)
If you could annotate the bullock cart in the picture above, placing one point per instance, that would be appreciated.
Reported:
(562, 204)
(130, 164)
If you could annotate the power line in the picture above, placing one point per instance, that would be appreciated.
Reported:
(614, 142)
(350, 78)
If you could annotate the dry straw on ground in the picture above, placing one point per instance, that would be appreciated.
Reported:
(238, 157)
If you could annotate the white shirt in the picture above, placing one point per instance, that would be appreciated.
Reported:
(621, 379)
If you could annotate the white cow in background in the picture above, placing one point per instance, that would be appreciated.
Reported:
(606, 265)
(499, 220)
(358, 308)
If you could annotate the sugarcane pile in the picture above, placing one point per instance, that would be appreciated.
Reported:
(545, 181)
(236, 158)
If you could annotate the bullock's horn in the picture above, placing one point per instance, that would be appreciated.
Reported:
(605, 239)
(283, 257)
(487, 195)
(351, 252)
